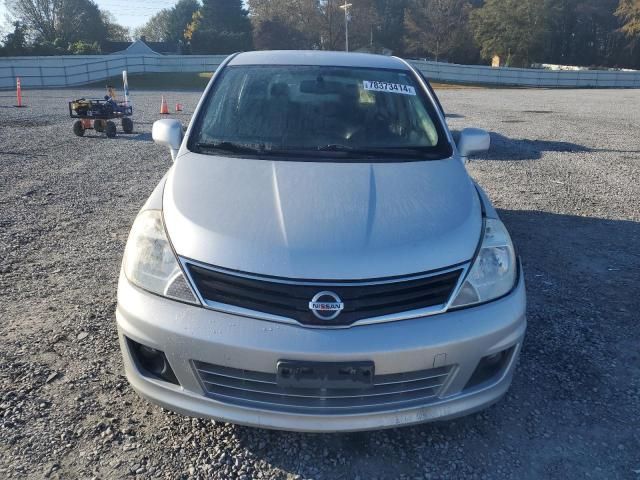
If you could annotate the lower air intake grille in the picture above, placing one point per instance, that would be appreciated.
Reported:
(260, 390)
(290, 298)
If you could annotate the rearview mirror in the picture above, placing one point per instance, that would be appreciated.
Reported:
(324, 87)
(168, 133)
(473, 140)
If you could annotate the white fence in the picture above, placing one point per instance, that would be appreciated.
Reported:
(528, 77)
(74, 70)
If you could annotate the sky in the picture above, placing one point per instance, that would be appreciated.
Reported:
(134, 13)
(130, 13)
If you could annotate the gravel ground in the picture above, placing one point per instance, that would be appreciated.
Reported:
(564, 172)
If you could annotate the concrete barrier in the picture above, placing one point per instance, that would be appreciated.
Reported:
(527, 77)
(75, 70)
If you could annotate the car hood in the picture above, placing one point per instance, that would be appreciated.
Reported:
(322, 220)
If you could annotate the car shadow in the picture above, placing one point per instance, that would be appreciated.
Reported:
(136, 136)
(591, 253)
(582, 277)
(506, 148)
(139, 137)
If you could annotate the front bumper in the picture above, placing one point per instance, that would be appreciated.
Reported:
(185, 333)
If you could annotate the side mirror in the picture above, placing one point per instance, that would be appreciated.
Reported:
(473, 140)
(168, 133)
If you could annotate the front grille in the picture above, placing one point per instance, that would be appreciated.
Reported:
(290, 298)
(260, 390)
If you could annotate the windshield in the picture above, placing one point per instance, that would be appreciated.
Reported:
(335, 111)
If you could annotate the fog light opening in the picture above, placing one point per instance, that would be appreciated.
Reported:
(151, 362)
(490, 367)
(491, 360)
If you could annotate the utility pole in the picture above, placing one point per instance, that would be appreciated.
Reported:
(346, 7)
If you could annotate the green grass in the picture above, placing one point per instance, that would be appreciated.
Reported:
(159, 81)
(192, 81)
(454, 86)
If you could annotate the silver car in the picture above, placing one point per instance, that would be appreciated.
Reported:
(318, 258)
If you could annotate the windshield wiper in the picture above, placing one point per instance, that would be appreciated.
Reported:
(368, 152)
(335, 147)
(410, 151)
(246, 149)
(231, 147)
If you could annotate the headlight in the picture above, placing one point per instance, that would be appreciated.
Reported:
(149, 261)
(493, 273)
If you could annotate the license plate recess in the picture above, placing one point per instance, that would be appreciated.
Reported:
(321, 375)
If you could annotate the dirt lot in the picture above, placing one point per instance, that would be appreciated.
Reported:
(564, 171)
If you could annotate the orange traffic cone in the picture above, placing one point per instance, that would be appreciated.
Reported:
(19, 92)
(178, 107)
(164, 107)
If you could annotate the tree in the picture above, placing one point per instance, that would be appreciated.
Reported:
(15, 43)
(512, 29)
(39, 16)
(275, 34)
(170, 24)
(301, 18)
(48, 48)
(583, 32)
(595, 39)
(438, 28)
(331, 25)
(179, 17)
(68, 20)
(84, 48)
(157, 27)
(220, 26)
(80, 20)
(115, 31)
(629, 12)
(320, 23)
(390, 32)
(364, 25)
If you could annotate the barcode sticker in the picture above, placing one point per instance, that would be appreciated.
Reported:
(389, 87)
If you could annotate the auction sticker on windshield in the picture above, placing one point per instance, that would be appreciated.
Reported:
(389, 87)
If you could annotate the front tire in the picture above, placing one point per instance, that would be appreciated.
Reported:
(110, 129)
(78, 128)
(127, 125)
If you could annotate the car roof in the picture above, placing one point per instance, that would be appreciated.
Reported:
(316, 57)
